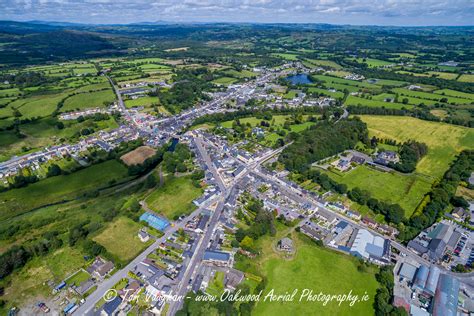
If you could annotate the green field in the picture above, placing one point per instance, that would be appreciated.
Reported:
(225, 80)
(454, 93)
(52, 190)
(36, 106)
(337, 94)
(144, 101)
(317, 269)
(291, 57)
(405, 190)
(174, 198)
(44, 132)
(31, 281)
(353, 100)
(444, 140)
(466, 78)
(121, 240)
(371, 62)
(324, 63)
(88, 100)
(428, 98)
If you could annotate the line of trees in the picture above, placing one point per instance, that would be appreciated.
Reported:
(440, 196)
(410, 153)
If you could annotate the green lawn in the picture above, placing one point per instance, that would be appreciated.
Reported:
(444, 140)
(405, 190)
(317, 269)
(175, 197)
(60, 188)
(121, 240)
(78, 278)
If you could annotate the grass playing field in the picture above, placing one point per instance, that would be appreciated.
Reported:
(312, 268)
(121, 240)
(444, 140)
(405, 190)
(174, 198)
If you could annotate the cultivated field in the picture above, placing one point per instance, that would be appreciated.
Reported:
(138, 155)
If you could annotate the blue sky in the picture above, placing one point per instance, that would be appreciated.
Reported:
(380, 12)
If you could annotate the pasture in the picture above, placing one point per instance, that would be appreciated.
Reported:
(313, 268)
(120, 238)
(56, 189)
(97, 99)
(175, 197)
(405, 190)
(444, 141)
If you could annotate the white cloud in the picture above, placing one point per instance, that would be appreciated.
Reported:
(406, 12)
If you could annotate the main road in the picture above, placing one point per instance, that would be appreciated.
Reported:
(88, 307)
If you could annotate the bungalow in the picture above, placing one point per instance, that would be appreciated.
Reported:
(104, 270)
(369, 222)
(353, 214)
(143, 235)
(285, 244)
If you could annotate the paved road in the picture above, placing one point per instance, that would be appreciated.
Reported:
(298, 195)
(91, 300)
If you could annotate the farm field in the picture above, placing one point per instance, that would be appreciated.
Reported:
(44, 132)
(174, 198)
(88, 100)
(353, 100)
(138, 155)
(336, 94)
(425, 96)
(466, 78)
(60, 188)
(144, 101)
(444, 141)
(324, 63)
(405, 190)
(454, 93)
(120, 238)
(313, 268)
(225, 80)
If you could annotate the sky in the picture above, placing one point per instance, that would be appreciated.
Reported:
(359, 12)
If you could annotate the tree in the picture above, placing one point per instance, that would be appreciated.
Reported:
(247, 243)
(54, 170)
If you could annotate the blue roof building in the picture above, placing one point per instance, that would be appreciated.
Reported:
(155, 221)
